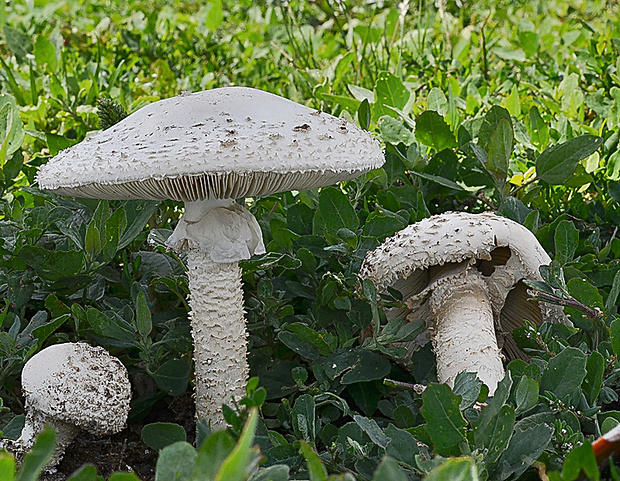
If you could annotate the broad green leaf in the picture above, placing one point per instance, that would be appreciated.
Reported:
(571, 95)
(433, 131)
(214, 14)
(303, 418)
(494, 405)
(372, 429)
(583, 291)
(490, 125)
(381, 225)
(309, 335)
(14, 427)
(12, 132)
(8, 467)
(18, 42)
(439, 180)
(564, 374)
(110, 326)
(389, 470)
(402, 446)
(92, 241)
(114, 227)
(6, 344)
(445, 423)
(335, 211)
(581, 458)
(364, 114)
(176, 463)
(526, 394)
(212, 454)
(393, 131)
(495, 435)
(172, 377)
(499, 149)
(389, 92)
(593, 382)
(524, 449)
(316, 468)
(299, 346)
(614, 117)
(437, 101)
(513, 102)
(159, 435)
(351, 105)
(538, 130)
(468, 386)
(557, 163)
(566, 240)
(614, 332)
(358, 365)
(143, 315)
(45, 53)
(529, 42)
(243, 457)
(41, 333)
(50, 265)
(369, 366)
(38, 456)
(361, 93)
(56, 143)
(614, 292)
(138, 213)
(454, 469)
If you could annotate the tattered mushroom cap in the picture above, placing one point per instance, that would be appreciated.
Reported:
(78, 384)
(230, 142)
(504, 251)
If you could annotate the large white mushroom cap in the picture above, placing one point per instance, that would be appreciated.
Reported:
(80, 385)
(230, 142)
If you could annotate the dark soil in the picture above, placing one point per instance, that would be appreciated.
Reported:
(125, 451)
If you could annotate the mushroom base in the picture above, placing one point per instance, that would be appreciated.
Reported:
(464, 333)
(34, 424)
(219, 332)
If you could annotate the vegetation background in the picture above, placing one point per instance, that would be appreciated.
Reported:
(512, 107)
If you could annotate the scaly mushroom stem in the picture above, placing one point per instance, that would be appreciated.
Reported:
(33, 425)
(217, 234)
(464, 333)
(220, 337)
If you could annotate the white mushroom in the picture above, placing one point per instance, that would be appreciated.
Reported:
(72, 386)
(208, 149)
(462, 273)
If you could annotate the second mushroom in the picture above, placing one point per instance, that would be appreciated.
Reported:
(462, 273)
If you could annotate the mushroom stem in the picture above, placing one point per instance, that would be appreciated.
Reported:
(464, 333)
(33, 425)
(220, 337)
(217, 233)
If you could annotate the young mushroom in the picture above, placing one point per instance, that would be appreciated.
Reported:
(208, 149)
(72, 386)
(463, 274)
